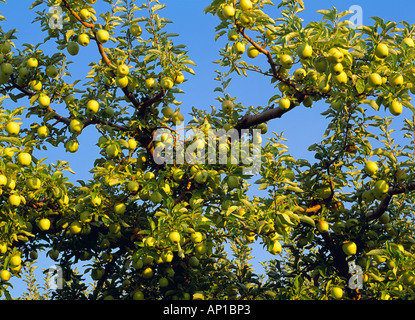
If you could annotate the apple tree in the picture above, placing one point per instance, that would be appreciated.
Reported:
(340, 224)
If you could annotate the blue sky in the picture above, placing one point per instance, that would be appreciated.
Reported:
(197, 31)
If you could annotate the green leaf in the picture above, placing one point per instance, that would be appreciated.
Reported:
(375, 252)
(372, 103)
(11, 140)
(307, 220)
(360, 86)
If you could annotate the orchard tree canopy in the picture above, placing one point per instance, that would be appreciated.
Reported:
(161, 207)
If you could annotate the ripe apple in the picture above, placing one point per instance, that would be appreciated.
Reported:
(35, 85)
(85, 14)
(166, 83)
(323, 226)
(263, 127)
(75, 126)
(15, 260)
(335, 56)
(136, 30)
(384, 218)
(269, 34)
(396, 108)
(75, 227)
(239, 47)
(177, 118)
(337, 68)
(375, 80)
(163, 282)
(14, 200)
(123, 70)
(179, 78)
(52, 71)
(286, 61)
(245, 5)
(97, 274)
(73, 48)
(233, 35)
(381, 187)
(300, 74)
(194, 262)
(149, 176)
(34, 183)
(138, 295)
(156, 197)
(44, 224)
(228, 11)
(132, 186)
(121, 82)
(3, 248)
(200, 249)
(119, 208)
(382, 51)
(252, 52)
(284, 103)
(233, 182)
(72, 146)
(174, 237)
(8, 152)
(5, 275)
(92, 106)
(102, 36)
(3, 180)
(13, 128)
(371, 168)
(5, 47)
(151, 83)
(349, 248)
(321, 64)
(167, 256)
(44, 100)
(167, 112)
(408, 42)
(6, 68)
(24, 72)
(275, 247)
(108, 112)
(24, 159)
(147, 273)
(336, 293)
(227, 105)
(341, 78)
(196, 237)
(32, 63)
(304, 51)
(201, 176)
(83, 39)
(85, 217)
(396, 80)
(132, 144)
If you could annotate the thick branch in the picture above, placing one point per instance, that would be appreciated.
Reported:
(384, 204)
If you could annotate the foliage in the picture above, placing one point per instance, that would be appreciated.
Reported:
(121, 225)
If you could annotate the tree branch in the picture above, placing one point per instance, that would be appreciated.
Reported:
(86, 24)
(384, 204)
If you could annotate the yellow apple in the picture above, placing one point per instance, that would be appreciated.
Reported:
(396, 108)
(304, 51)
(382, 51)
